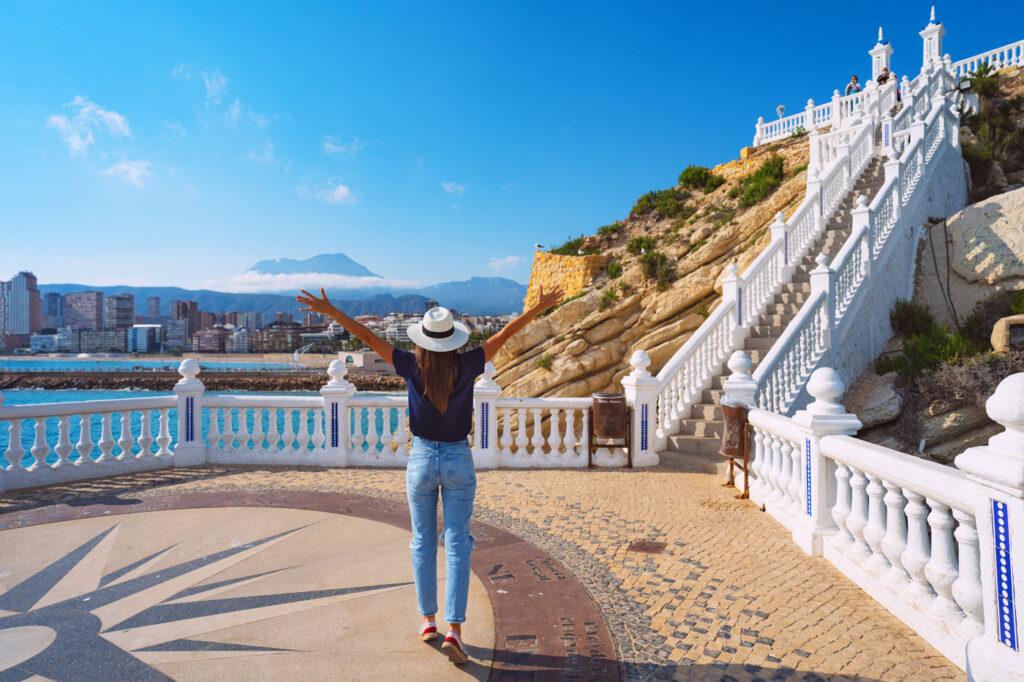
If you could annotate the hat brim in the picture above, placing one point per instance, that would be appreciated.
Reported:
(460, 334)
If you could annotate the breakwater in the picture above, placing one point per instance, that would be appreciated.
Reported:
(214, 381)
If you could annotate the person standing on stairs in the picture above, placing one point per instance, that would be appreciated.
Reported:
(853, 85)
(440, 383)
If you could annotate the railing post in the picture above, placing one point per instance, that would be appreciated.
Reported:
(886, 134)
(740, 388)
(809, 116)
(485, 419)
(336, 394)
(837, 115)
(759, 131)
(642, 394)
(823, 417)
(814, 157)
(732, 291)
(917, 129)
(3, 483)
(822, 278)
(906, 92)
(190, 450)
(999, 468)
(860, 220)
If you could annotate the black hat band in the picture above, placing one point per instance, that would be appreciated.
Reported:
(438, 335)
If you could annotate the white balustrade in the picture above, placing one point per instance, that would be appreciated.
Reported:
(999, 58)
(546, 431)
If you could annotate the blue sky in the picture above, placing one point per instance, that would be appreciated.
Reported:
(179, 143)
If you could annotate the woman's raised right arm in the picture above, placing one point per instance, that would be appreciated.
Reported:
(360, 331)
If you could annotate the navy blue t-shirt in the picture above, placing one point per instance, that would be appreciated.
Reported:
(425, 420)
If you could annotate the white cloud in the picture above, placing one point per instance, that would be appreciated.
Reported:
(133, 172)
(235, 111)
(334, 192)
(78, 130)
(175, 127)
(215, 84)
(453, 188)
(505, 264)
(255, 282)
(331, 145)
(266, 155)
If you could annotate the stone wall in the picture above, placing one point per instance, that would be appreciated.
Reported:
(573, 273)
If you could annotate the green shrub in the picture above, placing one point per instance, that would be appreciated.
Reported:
(922, 353)
(637, 244)
(696, 245)
(704, 309)
(797, 171)
(695, 177)
(909, 317)
(970, 380)
(799, 131)
(544, 361)
(607, 298)
(761, 182)
(623, 287)
(610, 230)
(658, 267)
(614, 269)
(571, 247)
(671, 203)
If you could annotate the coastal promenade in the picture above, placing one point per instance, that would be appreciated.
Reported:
(657, 573)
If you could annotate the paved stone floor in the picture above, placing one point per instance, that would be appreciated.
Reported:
(689, 582)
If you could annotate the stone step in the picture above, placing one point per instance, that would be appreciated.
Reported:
(781, 308)
(765, 331)
(712, 396)
(706, 412)
(796, 288)
(701, 428)
(763, 343)
(773, 320)
(785, 297)
(695, 447)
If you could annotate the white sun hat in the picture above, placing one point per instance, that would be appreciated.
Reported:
(438, 331)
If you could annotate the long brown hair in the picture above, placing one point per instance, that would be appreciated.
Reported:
(438, 372)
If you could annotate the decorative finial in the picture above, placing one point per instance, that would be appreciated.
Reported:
(739, 363)
(780, 217)
(337, 371)
(639, 362)
(931, 19)
(826, 387)
(880, 34)
(822, 260)
(489, 370)
(862, 201)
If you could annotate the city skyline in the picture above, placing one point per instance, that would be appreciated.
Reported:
(198, 141)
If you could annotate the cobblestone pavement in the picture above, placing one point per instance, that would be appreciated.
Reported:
(716, 591)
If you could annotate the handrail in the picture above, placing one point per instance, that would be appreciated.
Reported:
(776, 423)
(946, 484)
(44, 410)
(1001, 57)
(262, 401)
(555, 403)
(694, 342)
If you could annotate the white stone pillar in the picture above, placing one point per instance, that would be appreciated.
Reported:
(996, 655)
(822, 278)
(190, 450)
(837, 114)
(740, 388)
(759, 131)
(906, 92)
(336, 394)
(732, 291)
(916, 129)
(642, 395)
(823, 417)
(485, 419)
(809, 124)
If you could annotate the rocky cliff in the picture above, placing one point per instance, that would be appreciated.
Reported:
(661, 279)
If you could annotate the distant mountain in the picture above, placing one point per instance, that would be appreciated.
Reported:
(268, 304)
(332, 263)
(479, 295)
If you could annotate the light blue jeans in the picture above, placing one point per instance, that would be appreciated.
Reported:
(436, 465)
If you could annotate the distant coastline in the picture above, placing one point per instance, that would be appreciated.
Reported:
(213, 381)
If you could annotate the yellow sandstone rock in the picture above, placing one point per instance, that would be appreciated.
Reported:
(572, 273)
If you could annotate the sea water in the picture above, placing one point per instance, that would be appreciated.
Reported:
(37, 364)
(32, 396)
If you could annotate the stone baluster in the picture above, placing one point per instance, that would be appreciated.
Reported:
(258, 434)
(569, 439)
(895, 541)
(336, 394)
(106, 442)
(857, 521)
(907, 92)
(146, 434)
(84, 445)
(537, 440)
(228, 433)
(823, 280)
(243, 428)
(554, 434)
(288, 435)
(163, 439)
(809, 123)
(757, 482)
(64, 446)
(40, 448)
(485, 415)
(998, 468)
(775, 471)
(126, 441)
(506, 431)
(874, 531)
(917, 553)
(303, 435)
(15, 452)
(274, 436)
(837, 114)
(759, 134)
(967, 587)
(521, 440)
(190, 450)
(941, 569)
(213, 435)
(641, 391)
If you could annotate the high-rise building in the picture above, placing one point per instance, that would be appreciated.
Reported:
(20, 305)
(186, 310)
(84, 309)
(144, 338)
(212, 340)
(284, 318)
(119, 311)
(53, 310)
(177, 335)
(153, 307)
(206, 320)
(251, 320)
